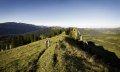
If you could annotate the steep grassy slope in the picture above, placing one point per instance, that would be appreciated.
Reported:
(23, 58)
(61, 56)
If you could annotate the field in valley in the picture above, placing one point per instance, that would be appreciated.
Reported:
(110, 42)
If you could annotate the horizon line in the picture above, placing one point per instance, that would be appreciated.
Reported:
(58, 25)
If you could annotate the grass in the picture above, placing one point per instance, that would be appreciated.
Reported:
(60, 56)
(78, 60)
(20, 57)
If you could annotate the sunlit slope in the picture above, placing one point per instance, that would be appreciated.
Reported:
(21, 58)
(60, 56)
(24, 57)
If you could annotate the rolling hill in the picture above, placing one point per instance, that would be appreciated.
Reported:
(63, 55)
(98, 31)
(98, 52)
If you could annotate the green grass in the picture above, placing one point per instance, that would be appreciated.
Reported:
(60, 56)
(78, 60)
(20, 57)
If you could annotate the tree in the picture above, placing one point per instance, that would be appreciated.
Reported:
(20, 40)
(32, 38)
(13, 43)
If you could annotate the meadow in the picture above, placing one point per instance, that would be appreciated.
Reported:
(63, 55)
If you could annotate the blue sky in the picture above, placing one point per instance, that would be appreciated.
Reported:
(65, 13)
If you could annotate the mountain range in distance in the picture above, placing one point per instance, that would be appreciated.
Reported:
(8, 28)
(18, 28)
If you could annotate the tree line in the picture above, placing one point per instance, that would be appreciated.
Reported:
(13, 41)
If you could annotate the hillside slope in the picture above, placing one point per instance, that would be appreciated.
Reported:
(60, 56)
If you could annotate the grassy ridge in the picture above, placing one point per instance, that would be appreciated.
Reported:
(60, 56)
(22, 58)
(47, 63)
(78, 60)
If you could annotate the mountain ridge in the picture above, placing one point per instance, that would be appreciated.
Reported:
(18, 28)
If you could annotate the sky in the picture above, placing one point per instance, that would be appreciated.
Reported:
(64, 13)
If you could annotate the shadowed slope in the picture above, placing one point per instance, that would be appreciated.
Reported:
(98, 51)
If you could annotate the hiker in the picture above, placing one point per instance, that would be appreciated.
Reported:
(47, 43)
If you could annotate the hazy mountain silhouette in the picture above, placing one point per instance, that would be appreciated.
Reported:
(18, 28)
(96, 31)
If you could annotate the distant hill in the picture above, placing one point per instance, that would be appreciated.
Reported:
(96, 31)
(18, 28)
